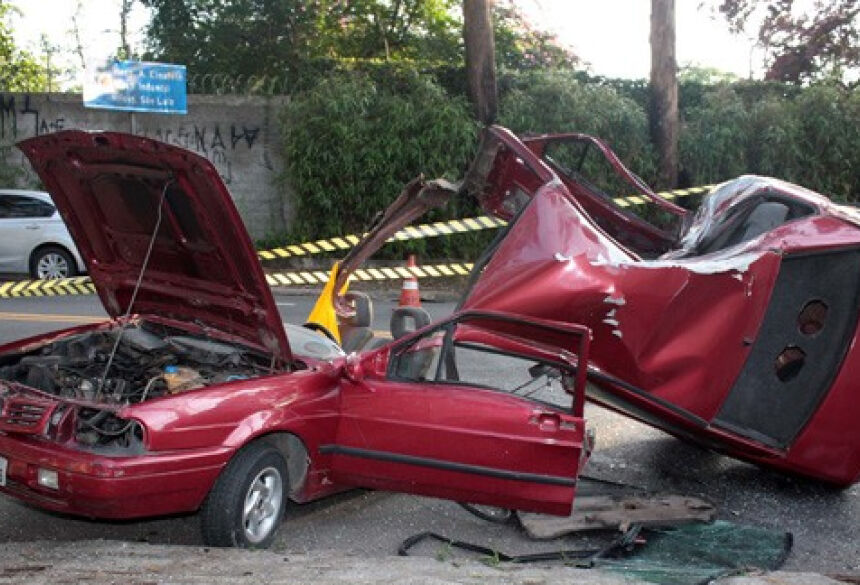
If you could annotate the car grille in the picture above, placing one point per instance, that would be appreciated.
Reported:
(23, 414)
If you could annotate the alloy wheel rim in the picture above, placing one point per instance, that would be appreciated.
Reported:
(262, 505)
(52, 265)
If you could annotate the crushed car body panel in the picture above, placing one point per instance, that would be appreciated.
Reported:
(743, 336)
(113, 189)
(417, 197)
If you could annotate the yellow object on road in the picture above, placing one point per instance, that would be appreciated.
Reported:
(323, 313)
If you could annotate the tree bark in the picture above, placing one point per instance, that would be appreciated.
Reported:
(664, 91)
(480, 58)
(124, 11)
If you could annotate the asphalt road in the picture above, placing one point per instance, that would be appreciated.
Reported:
(825, 521)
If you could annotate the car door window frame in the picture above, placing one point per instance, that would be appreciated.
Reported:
(573, 375)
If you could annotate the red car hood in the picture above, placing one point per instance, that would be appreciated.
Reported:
(202, 267)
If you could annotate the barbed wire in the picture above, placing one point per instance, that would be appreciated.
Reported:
(227, 84)
(198, 83)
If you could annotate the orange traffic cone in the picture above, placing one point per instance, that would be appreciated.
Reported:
(409, 295)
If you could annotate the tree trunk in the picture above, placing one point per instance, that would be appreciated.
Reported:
(480, 58)
(664, 90)
(124, 11)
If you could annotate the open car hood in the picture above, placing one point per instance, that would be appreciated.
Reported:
(202, 267)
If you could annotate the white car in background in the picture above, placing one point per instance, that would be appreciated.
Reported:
(33, 237)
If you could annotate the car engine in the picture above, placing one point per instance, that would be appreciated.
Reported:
(124, 366)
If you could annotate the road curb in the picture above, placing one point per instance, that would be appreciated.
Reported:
(103, 562)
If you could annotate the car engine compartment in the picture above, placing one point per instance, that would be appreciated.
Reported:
(120, 367)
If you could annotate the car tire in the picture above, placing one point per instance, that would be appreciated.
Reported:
(52, 262)
(247, 502)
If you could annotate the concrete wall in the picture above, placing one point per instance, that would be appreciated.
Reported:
(239, 134)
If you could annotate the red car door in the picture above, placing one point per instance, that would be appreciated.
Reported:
(483, 408)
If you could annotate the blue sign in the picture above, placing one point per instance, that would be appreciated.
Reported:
(136, 86)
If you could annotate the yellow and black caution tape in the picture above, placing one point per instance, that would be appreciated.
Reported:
(308, 248)
(639, 200)
(447, 228)
(81, 285)
(84, 286)
(318, 277)
(439, 228)
(416, 232)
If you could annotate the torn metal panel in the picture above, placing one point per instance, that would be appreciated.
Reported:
(646, 321)
(416, 199)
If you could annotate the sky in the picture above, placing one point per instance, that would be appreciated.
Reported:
(611, 35)
(98, 22)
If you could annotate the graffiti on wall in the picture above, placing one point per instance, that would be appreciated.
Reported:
(19, 116)
(235, 136)
(216, 142)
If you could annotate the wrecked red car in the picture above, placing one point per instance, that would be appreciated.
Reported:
(194, 395)
(734, 326)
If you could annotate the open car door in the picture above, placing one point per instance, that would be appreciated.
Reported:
(484, 408)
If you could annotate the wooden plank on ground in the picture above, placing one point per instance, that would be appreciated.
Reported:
(618, 512)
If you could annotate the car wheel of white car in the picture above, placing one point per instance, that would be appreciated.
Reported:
(247, 502)
(52, 262)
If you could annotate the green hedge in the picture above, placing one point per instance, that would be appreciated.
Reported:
(351, 144)
(809, 137)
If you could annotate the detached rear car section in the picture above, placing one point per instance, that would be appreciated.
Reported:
(735, 326)
(194, 395)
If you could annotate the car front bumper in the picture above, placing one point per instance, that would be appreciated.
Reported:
(99, 486)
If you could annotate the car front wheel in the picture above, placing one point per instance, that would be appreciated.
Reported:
(247, 502)
(51, 262)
